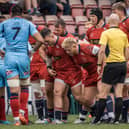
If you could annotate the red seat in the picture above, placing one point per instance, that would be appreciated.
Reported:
(80, 21)
(89, 4)
(76, 7)
(105, 5)
(70, 23)
(50, 19)
(38, 20)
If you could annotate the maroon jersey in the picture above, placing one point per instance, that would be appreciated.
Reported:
(124, 25)
(93, 34)
(86, 57)
(61, 60)
(67, 34)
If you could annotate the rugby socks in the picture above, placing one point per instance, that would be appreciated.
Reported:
(39, 107)
(82, 114)
(65, 116)
(100, 109)
(50, 113)
(2, 108)
(109, 106)
(29, 10)
(118, 108)
(24, 101)
(45, 112)
(125, 109)
(58, 113)
(14, 102)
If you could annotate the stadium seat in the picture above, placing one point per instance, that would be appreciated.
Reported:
(70, 23)
(80, 22)
(76, 7)
(81, 19)
(105, 5)
(50, 20)
(38, 20)
(89, 4)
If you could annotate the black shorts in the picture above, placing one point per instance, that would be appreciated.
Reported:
(114, 73)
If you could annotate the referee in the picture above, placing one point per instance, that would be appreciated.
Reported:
(115, 70)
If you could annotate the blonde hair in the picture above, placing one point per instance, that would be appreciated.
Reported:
(68, 42)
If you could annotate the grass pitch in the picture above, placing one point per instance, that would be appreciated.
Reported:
(69, 125)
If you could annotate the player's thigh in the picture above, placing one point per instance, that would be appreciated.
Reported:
(59, 87)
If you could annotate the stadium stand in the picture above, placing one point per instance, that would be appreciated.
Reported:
(105, 5)
(80, 22)
(76, 7)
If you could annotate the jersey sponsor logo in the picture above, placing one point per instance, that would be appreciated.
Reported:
(8, 72)
(26, 73)
(85, 65)
(57, 58)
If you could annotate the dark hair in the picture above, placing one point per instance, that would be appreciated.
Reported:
(119, 6)
(45, 32)
(98, 12)
(2, 17)
(16, 10)
(27, 17)
(60, 22)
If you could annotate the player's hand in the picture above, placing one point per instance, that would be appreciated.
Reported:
(51, 72)
(60, 6)
(2, 53)
(99, 70)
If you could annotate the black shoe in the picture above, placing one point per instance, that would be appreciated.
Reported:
(95, 121)
(116, 122)
(110, 120)
(123, 121)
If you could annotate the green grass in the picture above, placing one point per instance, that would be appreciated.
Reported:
(70, 125)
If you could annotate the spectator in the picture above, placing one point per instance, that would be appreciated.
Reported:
(28, 4)
(127, 6)
(52, 6)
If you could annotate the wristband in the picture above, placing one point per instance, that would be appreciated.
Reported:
(99, 64)
(49, 67)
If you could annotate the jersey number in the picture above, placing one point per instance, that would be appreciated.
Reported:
(17, 31)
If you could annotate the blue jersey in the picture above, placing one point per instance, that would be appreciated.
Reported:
(2, 47)
(16, 32)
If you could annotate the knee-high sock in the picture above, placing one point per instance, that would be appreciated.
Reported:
(125, 109)
(109, 106)
(39, 107)
(118, 108)
(100, 108)
(24, 101)
(14, 102)
(45, 111)
(2, 108)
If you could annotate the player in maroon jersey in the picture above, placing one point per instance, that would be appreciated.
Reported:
(60, 30)
(37, 67)
(85, 55)
(63, 69)
(93, 33)
(120, 9)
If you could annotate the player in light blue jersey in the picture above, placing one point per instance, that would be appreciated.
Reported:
(16, 32)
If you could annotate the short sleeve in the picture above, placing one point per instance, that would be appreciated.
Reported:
(126, 42)
(103, 39)
(1, 30)
(33, 29)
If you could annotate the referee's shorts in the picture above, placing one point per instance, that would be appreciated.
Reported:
(114, 73)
